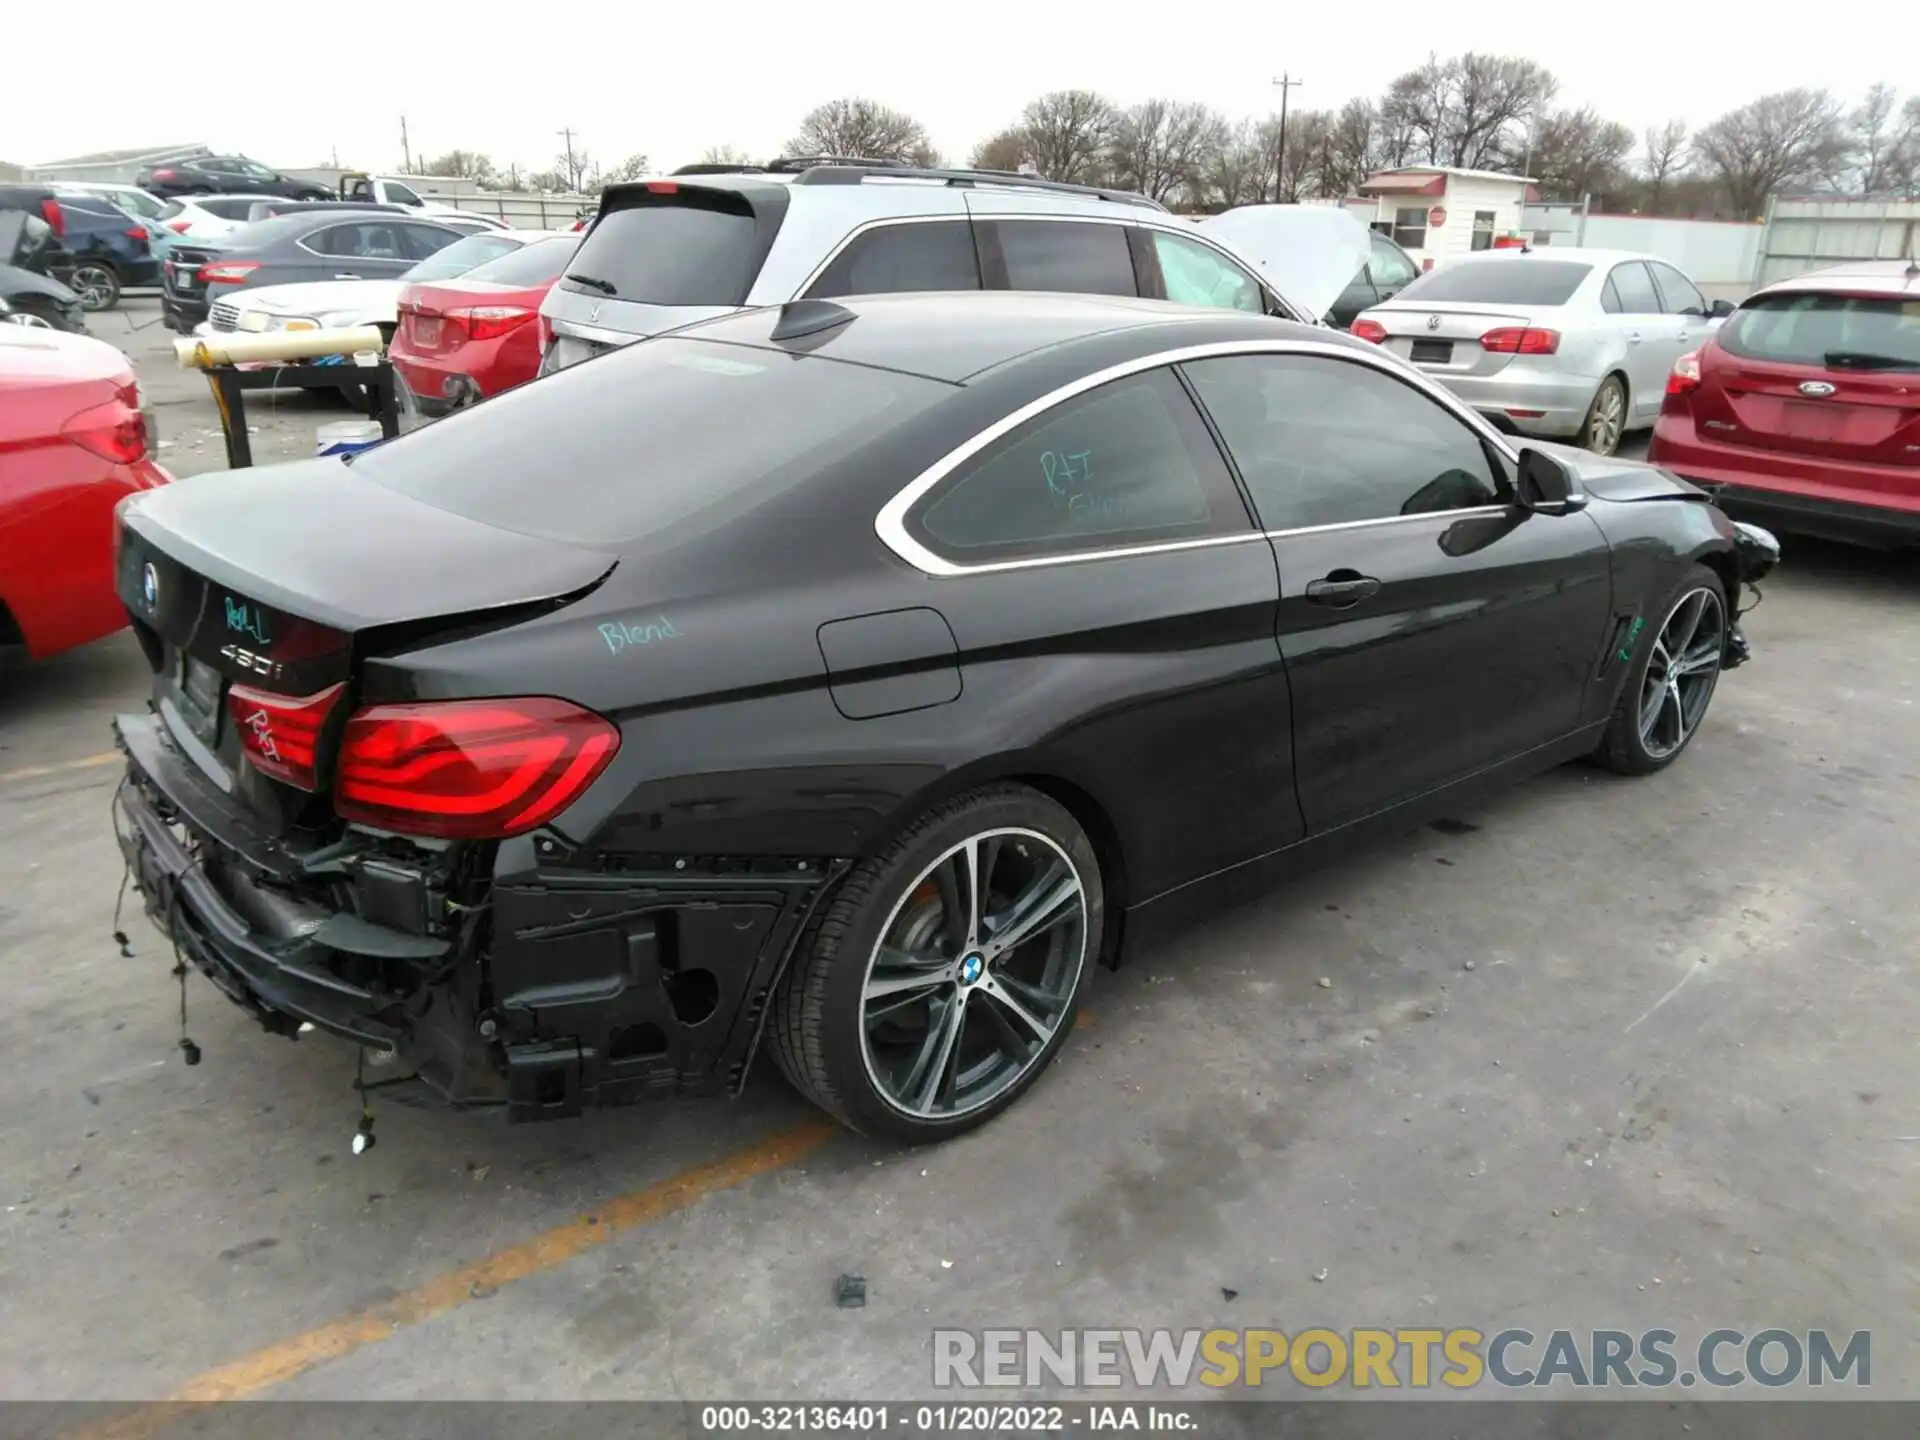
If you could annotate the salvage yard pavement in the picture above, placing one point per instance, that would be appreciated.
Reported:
(1601, 1053)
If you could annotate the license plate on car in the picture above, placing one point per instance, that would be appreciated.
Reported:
(1432, 352)
(1812, 422)
(426, 329)
(201, 685)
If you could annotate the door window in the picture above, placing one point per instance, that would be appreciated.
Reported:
(1196, 274)
(1084, 259)
(1330, 442)
(1389, 268)
(421, 241)
(257, 171)
(1410, 227)
(1677, 291)
(1634, 289)
(401, 195)
(889, 259)
(1128, 463)
(358, 242)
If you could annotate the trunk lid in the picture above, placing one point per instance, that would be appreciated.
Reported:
(287, 578)
(1444, 339)
(431, 313)
(1804, 372)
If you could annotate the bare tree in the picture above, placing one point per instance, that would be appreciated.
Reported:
(631, 168)
(1789, 138)
(1068, 133)
(1577, 152)
(1465, 111)
(864, 129)
(549, 181)
(574, 166)
(1160, 146)
(1874, 131)
(724, 155)
(1004, 150)
(1903, 161)
(459, 164)
(1238, 173)
(1666, 156)
(1354, 147)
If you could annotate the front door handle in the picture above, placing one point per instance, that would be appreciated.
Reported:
(1343, 589)
(1633, 337)
(346, 277)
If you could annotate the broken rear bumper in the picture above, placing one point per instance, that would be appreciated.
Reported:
(597, 983)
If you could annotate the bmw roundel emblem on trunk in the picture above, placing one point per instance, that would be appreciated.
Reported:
(1816, 387)
(150, 587)
(1433, 322)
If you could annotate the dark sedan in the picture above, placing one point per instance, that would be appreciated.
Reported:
(225, 175)
(851, 676)
(321, 243)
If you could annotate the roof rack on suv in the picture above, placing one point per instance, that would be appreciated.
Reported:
(789, 164)
(838, 172)
(707, 167)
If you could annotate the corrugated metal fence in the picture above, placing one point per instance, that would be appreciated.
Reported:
(1803, 235)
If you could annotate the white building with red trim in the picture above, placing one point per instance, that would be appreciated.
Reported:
(1436, 212)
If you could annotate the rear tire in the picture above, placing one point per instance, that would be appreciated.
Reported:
(1606, 422)
(1663, 703)
(913, 1014)
(97, 284)
(43, 311)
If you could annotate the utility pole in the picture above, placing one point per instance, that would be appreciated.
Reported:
(1286, 82)
(406, 150)
(573, 178)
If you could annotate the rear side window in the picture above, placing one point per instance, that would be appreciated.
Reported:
(1128, 463)
(923, 255)
(1634, 288)
(1082, 259)
(694, 247)
(648, 443)
(1519, 280)
(537, 264)
(169, 210)
(1831, 331)
(230, 208)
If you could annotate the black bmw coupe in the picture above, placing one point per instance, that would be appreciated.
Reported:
(850, 677)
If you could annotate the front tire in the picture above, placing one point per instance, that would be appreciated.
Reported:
(1606, 422)
(946, 973)
(1672, 680)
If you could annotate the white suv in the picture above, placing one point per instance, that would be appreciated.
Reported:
(710, 239)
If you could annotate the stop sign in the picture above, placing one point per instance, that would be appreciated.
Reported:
(1437, 216)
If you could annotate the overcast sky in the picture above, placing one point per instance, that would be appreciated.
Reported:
(670, 80)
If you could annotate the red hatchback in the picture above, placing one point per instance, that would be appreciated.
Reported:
(73, 444)
(463, 339)
(1804, 410)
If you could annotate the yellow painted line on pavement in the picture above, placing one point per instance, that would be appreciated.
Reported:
(282, 1361)
(37, 772)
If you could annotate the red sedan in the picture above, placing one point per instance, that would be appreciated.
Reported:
(1803, 412)
(463, 339)
(73, 443)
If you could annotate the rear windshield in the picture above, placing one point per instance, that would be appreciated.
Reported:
(695, 248)
(462, 256)
(1521, 280)
(1832, 331)
(537, 264)
(647, 441)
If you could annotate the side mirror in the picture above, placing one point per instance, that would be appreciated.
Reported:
(1721, 309)
(1547, 487)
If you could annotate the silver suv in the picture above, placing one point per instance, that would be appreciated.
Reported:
(710, 239)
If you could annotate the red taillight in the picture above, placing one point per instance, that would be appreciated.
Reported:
(179, 227)
(113, 430)
(166, 174)
(1518, 341)
(662, 187)
(487, 322)
(1369, 330)
(469, 769)
(579, 224)
(227, 272)
(138, 232)
(51, 212)
(281, 733)
(1684, 378)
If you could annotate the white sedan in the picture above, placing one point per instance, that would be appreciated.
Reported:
(1555, 342)
(339, 304)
